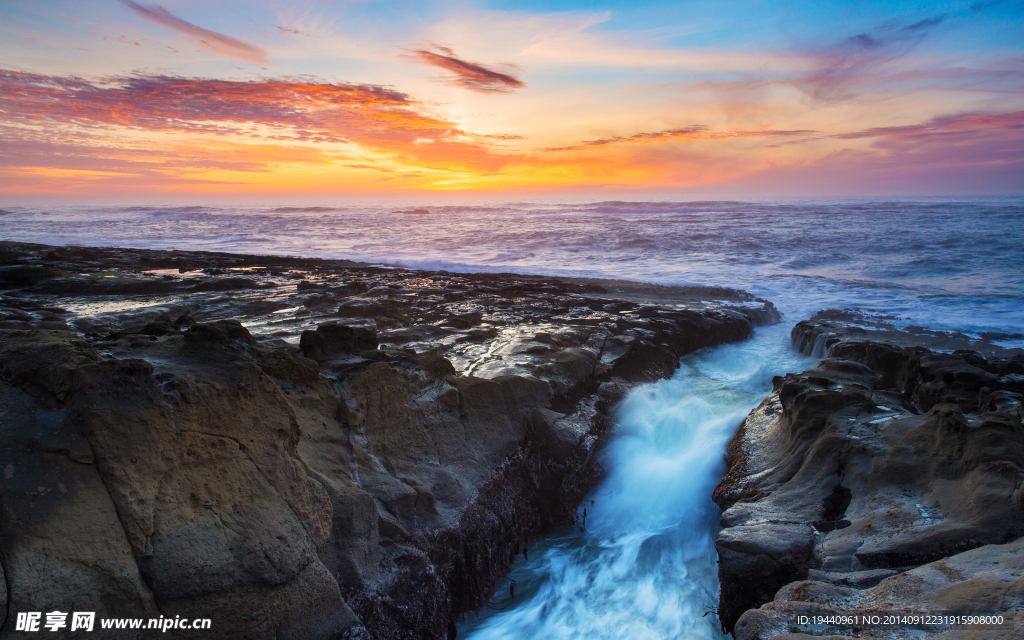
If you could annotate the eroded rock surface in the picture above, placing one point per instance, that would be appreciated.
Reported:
(876, 482)
(304, 449)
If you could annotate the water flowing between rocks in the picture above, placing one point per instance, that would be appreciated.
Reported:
(644, 566)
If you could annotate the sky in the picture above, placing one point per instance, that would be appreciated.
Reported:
(191, 99)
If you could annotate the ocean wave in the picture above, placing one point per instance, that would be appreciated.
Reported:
(165, 210)
(305, 209)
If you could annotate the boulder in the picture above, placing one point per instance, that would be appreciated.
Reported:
(332, 339)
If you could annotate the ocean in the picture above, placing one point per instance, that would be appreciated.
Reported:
(644, 564)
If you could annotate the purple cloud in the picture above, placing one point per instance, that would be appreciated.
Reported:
(218, 42)
(692, 132)
(468, 75)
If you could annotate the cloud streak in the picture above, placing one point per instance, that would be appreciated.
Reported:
(695, 132)
(216, 42)
(946, 127)
(837, 66)
(468, 75)
(369, 166)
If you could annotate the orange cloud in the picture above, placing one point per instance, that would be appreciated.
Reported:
(119, 124)
(295, 109)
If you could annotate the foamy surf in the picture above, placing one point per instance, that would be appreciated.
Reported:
(645, 564)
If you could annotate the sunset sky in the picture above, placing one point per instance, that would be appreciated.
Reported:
(111, 99)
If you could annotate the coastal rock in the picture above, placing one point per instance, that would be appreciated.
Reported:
(887, 458)
(62, 541)
(366, 467)
(198, 462)
(987, 581)
(29, 274)
(331, 340)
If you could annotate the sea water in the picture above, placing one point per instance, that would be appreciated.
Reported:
(643, 565)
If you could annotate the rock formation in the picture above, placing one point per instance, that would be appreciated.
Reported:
(301, 448)
(887, 479)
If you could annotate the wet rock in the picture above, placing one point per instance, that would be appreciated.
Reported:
(557, 440)
(464, 320)
(363, 308)
(223, 333)
(30, 274)
(203, 486)
(262, 307)
(62, 539)
(306, 286)
(77, 286)
(984, 581)
(355, 546)
(767, 556)
(226, 284)
(332, 339)
(817, 336)
(349, 289)
(319, 300)
(436, 366)
(160, 327)
(882, 455)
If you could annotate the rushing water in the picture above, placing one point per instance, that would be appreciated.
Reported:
(644, 566)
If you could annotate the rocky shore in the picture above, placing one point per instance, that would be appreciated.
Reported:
(301, 448)
(888, 480)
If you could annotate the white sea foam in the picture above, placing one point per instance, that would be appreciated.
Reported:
(645, 565)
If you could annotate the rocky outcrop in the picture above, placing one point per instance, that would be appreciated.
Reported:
(179, 488)
(817, 335)
(984, 584)
(368, 465)
(850, 475)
